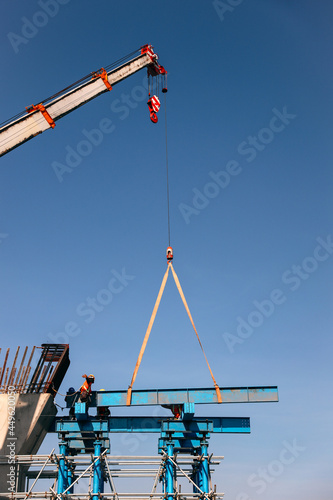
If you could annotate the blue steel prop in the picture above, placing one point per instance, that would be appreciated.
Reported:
(98, 480)
(200, 475)
(63, 469)
(205, 468)
(70, 478)
(203, 474)
(169, 474)
(180, 396)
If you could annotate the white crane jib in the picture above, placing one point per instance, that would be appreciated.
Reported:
(43, 116)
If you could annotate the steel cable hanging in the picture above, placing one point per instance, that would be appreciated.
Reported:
(73, 85)
(160, 293)
(167, 167)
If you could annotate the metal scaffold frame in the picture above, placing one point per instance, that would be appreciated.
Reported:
(84, 468)
(166, 470)
(84, 446)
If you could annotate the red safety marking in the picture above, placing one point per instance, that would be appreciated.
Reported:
(148, 49)
(154, 103)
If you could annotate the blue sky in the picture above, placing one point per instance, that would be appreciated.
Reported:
(249, 113)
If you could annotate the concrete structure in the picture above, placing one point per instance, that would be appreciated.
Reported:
(27, 410)
(32, 416)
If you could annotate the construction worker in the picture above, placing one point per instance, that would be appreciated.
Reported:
(69, 398)
(176, 410)
(85, 389)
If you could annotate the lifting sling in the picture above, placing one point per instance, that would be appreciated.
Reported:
(150, 325)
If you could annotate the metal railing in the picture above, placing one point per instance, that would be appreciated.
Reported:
(42, 373)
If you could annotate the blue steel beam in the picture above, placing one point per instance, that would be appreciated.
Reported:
(152, 425)
(209, 424)
(181, 396)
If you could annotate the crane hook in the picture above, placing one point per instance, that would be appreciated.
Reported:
(169, 254)
(154, 106)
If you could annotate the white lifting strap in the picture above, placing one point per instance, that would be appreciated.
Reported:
(151, 322)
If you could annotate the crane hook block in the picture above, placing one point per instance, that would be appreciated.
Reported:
(154, 106)
(153, 117)
(169, 254)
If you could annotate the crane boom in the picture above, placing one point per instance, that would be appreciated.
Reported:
(43, 116)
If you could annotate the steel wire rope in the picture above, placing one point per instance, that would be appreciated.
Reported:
(71, 86)
(88, 77)
(167, 167)
(89, 96)
(13, 118)
(110, 66)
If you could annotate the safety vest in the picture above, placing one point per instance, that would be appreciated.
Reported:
(86, 386)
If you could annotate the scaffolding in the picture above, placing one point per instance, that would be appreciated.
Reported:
(83, 467)
(103, 476)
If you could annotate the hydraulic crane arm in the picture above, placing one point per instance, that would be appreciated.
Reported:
(43, 116)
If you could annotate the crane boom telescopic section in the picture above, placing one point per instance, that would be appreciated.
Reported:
(43, 116)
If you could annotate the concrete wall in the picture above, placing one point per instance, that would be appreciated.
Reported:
(32, 418)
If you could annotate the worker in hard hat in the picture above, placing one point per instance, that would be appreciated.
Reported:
(69, 398)
(85, 389)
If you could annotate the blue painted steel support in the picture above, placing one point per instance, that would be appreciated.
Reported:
(196, 478)
(263, 394)
(150, 424)
(169, 474)
(70, 479)
(204, 468)
(62, 471)
(188, 410)
(98, 473)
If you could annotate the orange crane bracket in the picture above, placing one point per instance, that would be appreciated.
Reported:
(104, 76)
(40, 107)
